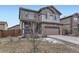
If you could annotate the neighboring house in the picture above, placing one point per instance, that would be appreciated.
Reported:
(14, 27)
(3, 25)
(71, 24)
(14, 30)
(45, 21)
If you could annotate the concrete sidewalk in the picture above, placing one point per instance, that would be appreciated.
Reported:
(74, 40)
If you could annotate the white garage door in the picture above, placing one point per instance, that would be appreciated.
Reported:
(52, 31)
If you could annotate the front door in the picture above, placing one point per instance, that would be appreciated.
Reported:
(26, 28)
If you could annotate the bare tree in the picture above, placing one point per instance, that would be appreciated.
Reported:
(35, 40)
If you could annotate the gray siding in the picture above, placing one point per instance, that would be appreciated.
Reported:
(54, 18)
(31, 16)
(66, 23)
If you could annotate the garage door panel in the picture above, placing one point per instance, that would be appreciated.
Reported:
(52, 31)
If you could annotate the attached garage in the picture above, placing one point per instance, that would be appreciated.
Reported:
(52, 30)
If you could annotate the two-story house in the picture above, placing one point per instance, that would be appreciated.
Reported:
(45, 21)
(70, 24)
(3, 25)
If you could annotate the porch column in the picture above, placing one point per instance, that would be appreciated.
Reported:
(22, 27)
(33, 28)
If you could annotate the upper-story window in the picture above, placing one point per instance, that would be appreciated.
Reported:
(75, 19)
(26, 13)
(57, 17)
(34, 15)
(52, 17)
(44, 16)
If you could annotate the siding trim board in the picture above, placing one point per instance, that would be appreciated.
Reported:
(52, 23)
(51, 27)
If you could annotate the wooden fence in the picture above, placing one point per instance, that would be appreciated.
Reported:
(6, 33)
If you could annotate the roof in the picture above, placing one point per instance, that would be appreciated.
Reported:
(27, 9)
(47, 7)
(30, 10)
(69, 16)
(15, 26)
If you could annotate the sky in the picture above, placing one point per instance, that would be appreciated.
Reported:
(10, 13)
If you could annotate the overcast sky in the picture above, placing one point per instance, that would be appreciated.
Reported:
(10, 13)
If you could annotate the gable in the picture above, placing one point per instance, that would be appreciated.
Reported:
(51, 8)
(47, 11)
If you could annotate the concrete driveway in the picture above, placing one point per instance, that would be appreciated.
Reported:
(70, 39)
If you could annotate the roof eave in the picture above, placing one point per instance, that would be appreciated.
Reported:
(48, 7)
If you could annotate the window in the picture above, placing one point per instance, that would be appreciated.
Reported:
(44, 16)
(76, 29)
(39, 14)
(75, 19)
(26, 13)
(57, 17)
(52, 17)
(34, 15)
